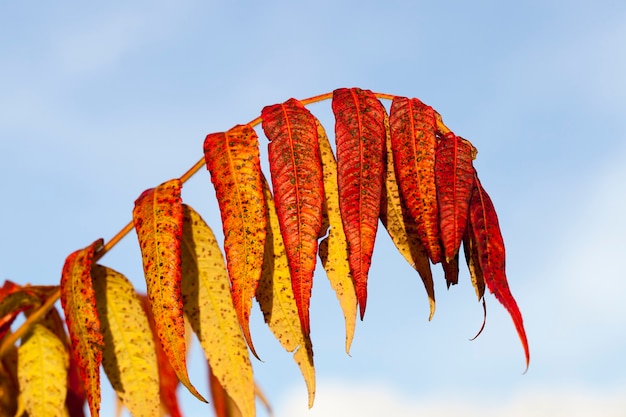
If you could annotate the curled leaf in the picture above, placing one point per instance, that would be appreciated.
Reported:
(485, 230)
(233, 160)
(360, 140)
(298, 186)
(158, 220)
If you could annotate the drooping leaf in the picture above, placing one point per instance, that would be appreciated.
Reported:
(42, 372)
(360, 141)
(158, 220)
(129, 357)
(298, 186)
(454, 177)
(79, 304)
(451, 269)
(402, 228)
(276, 299)
(209, 307)
(168, 381)
(333, 249)
(471, 258)
(491, 256)
(413, 138)
(232, 158)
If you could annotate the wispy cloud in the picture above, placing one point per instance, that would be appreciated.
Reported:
(349, 398)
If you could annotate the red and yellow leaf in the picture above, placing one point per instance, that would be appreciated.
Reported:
(42, 372)
(486, 233)
(402, 229)
(209, 308)
(454, 177)
(333, 249)
(76, 397)
(232, 158)
(360, 141)
(298, 186)
(158, 220)
(413, 138)
(14, 300)
(276, 299)
(129, 357)
(168, 381)
(79, 304)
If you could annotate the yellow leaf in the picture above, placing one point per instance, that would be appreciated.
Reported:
(128, 356)
(209, 307)
(275, 296)
(333, 250)
(402, 228)
(42, 366)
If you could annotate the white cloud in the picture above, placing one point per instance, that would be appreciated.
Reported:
(349, 398)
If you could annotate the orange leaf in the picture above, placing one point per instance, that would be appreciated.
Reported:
(491, 255)
(454, 177)
(402, 229)
(233, 160)
(79, 304)
(298, 186)
(158, 219)
(168, 381)
(360, 139)
(413, 137)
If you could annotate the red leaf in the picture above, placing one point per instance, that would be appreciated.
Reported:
(233, 160)
(158, 220)
(298, 186)
(79, 304)
(360, 139)
(491, 256)
(413, 127)
(454, 177)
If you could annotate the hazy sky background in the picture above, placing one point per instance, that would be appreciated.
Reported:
(100, 102)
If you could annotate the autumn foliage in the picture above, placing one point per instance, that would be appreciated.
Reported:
(404, 168)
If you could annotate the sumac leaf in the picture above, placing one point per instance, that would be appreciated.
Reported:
(454, 177)
(42, 372)
(277, 302)
(402, 229)
(79, 305)
(333, 249)
(485, 230)
(232, 158)
(413, 138)
(360, 142)
(158, 220)
(129, 357)
(209, 308)
(296, 171)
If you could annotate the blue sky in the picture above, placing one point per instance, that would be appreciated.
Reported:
(98, 103)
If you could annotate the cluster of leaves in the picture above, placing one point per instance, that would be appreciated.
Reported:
(405, 168)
